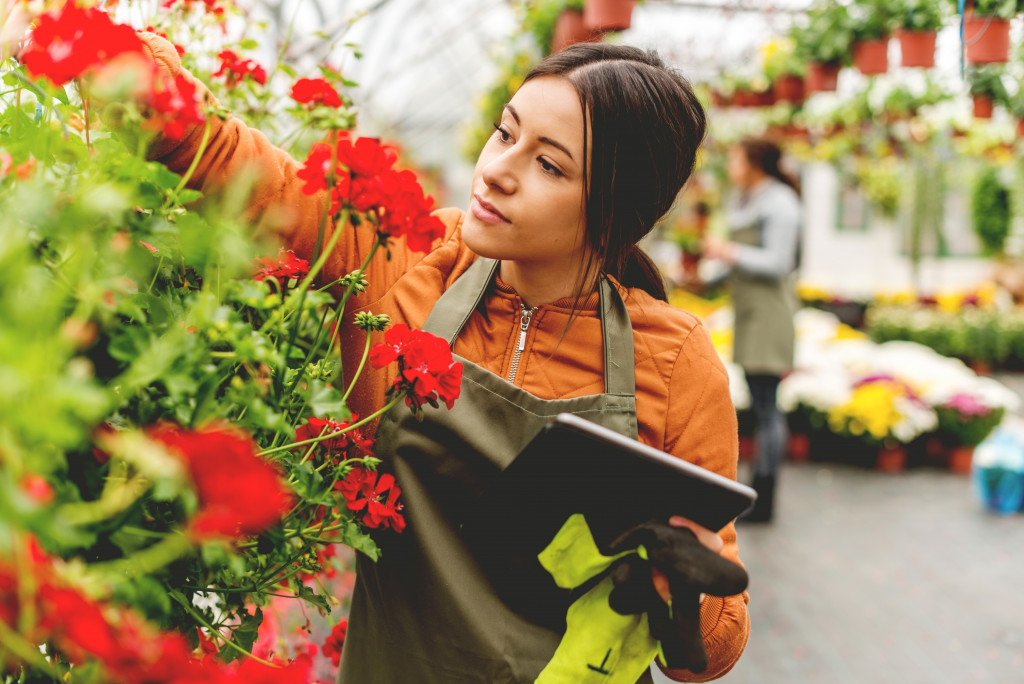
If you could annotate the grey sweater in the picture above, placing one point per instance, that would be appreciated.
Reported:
(776, 208)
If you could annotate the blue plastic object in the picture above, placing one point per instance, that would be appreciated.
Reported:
(999, 471)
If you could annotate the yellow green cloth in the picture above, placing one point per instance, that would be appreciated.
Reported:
(600, 646)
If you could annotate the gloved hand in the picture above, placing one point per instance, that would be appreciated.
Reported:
(691, 569)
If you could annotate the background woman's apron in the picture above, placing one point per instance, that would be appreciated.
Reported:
(427, 612)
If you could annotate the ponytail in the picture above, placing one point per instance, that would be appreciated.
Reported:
(638, 270)
(766, 156)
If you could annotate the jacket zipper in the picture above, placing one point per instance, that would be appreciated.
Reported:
(524, 324)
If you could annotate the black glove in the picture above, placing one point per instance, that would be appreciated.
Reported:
(691, 569)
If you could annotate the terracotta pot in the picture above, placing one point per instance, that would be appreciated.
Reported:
(569, 30)
(799, 448)
(917, 48)
(789, 88)
(986, 39)
(983, 106)
(960, 459)
(608, 15)
(892, 459)
(744, 98)
(871, 57)
(821, 78)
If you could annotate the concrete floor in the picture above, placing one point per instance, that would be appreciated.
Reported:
(882, 578)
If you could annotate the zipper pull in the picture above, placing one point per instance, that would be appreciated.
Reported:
(524, 325)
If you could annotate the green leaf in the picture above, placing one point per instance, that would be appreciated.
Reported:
(307, 594)
(245, 634)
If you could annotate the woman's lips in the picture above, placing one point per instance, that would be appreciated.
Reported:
(486, 212)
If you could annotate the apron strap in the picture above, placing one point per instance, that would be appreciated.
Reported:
(617, 332)
(462, 298)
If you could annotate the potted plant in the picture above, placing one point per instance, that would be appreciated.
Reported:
(557, 24)
(964, 423)
(990, 210)
(824, 42)
(986, 30)
(784, 69)
(985, 84)
(918, 22)
(872, 24)
(608, 15)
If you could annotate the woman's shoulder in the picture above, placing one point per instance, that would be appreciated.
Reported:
(666, 332)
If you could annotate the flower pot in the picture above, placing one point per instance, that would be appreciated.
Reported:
(892, 459)
(799, 447)
(917, 48)
(821, 77)
(569, 30)
(608, 15)
(960, 459)
(982, 106)
(986, 39)
(789, 88)
(871, 57)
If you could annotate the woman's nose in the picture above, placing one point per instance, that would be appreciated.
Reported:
(499, 172)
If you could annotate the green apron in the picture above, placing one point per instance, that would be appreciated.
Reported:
(427, 612)
(764, 336)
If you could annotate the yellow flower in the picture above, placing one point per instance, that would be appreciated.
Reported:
(845, 332)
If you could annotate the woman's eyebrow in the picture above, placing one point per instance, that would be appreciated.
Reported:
(543, 139)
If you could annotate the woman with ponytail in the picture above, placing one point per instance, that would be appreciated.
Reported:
(545, 298)
(764, 221)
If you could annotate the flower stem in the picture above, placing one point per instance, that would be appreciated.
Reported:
(20, 647)
(114, 500)
(373, 416)
(359, 370)
(149, 560)
(177, 596)
(195, 160)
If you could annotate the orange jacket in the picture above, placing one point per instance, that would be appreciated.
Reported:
(682, 390)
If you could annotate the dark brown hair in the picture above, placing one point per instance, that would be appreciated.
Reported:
(645, 127)
(765, 155)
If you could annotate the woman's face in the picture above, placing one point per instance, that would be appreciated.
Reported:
(739, 168)
(527, 196)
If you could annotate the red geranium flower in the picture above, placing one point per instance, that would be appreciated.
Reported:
(317, 427)
(284, 267)
(68, 42)
(6, 163)
(234, 69)
(364, 491)
(426, 370)
(335, 640)
(239, 493)
(176, 106)
(315, 91)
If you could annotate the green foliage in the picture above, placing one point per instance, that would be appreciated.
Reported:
(971, 334)
(872, 19)
(1003, 9)
(967, 430)
(825, 34)
(990, 210)
(919, 15)
(540, 17)
(987, 81)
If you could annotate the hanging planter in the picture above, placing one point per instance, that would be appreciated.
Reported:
(986, 39)
(608, 15)
(569, 30)
(789, 88)
(917, 48)
(822, 77)
(871, 57)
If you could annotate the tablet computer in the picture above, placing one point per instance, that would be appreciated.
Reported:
(575, 466)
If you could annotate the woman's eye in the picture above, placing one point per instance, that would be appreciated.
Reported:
(503, 135)
(548, 167)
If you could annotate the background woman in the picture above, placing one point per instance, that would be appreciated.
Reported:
(764, 220)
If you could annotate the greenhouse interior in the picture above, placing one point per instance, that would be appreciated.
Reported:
(284, 391)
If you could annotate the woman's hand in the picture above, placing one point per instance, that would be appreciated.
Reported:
(705, 536)
(15, 19)
(715, 247)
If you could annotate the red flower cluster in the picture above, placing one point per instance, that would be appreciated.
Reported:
(175, 106)
(234, 69)
(214, 7)
(129, 649)
(364, 491)
(426, 371)
(335, 446)
(360, 174)
(239, 493)
(284, 267)
(335, 640)
(315, 91)
(71, 40)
